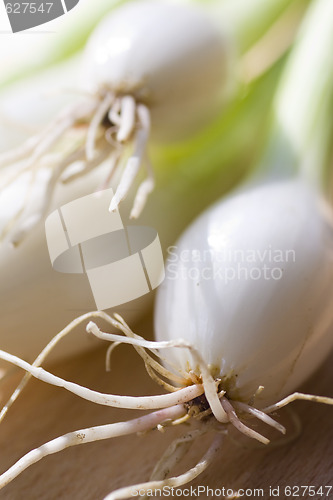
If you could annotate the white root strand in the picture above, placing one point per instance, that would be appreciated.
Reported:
(44, 204)
(139, 343)
(123, 326)
(234, 420)
(30, 156)
(30, 145)
(96, 120)
(112, 167)
(126, 181)
(18, 154)
(292, 434)
(86, 167)
(154, 376)
(50, 139)
(210, 388)
(41, 143)
(174, 482)
(174, 454)
(16, 216)
(134, 162)
(130, 172)
(298, 396)
(43, 355)
(109, 352)
(260, 415)
(144, 190)
(147, 186)
(131, 125)
(208, 381)
(78, 155)
(113, 115)
(89, 435)
(129, 402)
(151, 364)
(127, 118)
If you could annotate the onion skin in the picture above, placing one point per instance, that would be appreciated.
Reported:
(255, 332)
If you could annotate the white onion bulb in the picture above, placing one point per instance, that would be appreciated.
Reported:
(250, 285)
(171, 57)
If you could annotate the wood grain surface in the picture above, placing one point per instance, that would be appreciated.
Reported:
(90, 471)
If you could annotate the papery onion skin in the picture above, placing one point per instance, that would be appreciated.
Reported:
(254, 332)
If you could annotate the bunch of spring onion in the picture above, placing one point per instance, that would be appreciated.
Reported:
(46, 177)
(167, 86)
(70, 33)
(223, 349)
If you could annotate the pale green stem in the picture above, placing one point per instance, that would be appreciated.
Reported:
(300, 140)
(304, 102)
(247, 20)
